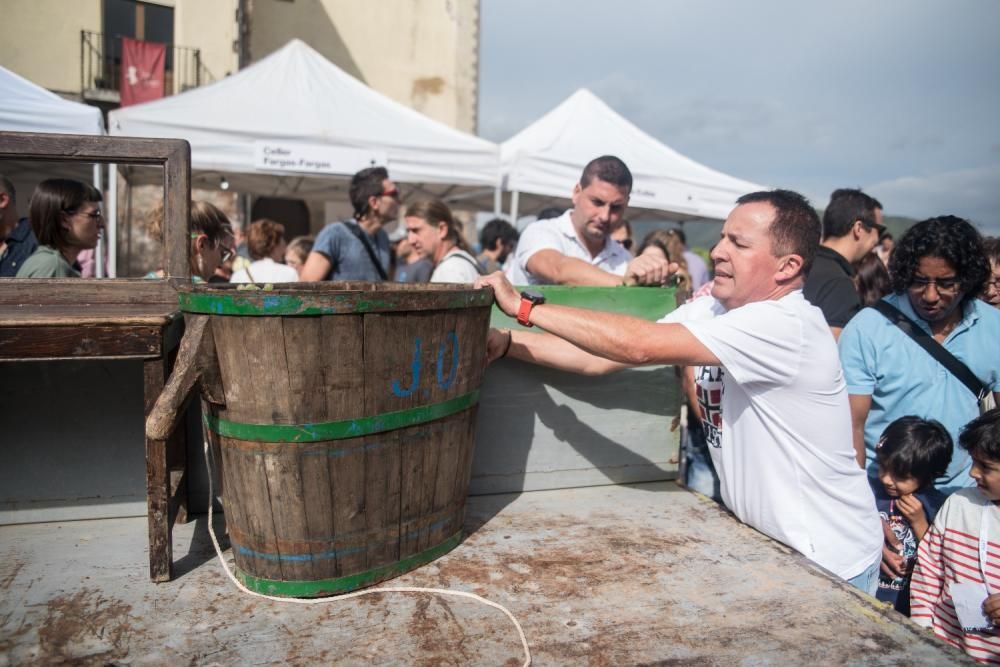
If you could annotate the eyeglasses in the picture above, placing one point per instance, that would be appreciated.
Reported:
(227, 252)
(943, 285)
(992, 284)
(93, 215)
(393, 194)
(881, 229)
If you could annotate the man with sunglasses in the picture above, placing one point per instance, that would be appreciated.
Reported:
(852, 224)
(357, 249)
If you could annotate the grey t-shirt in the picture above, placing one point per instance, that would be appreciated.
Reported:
(347, 253)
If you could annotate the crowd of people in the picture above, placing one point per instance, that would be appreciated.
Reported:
(839, 383)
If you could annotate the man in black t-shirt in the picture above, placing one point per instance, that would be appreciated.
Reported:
(852, 224)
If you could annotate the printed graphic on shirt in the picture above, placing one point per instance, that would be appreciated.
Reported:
(709, 384)
(901, 529)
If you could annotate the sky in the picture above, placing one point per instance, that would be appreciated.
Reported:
(899, 97)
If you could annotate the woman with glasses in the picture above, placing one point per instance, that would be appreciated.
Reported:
(211, 240)
(66, 218)
(937, 272)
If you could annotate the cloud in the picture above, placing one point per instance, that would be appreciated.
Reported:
(969, 193)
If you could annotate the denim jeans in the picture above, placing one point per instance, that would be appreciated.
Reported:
(699, 472)
(867, 581)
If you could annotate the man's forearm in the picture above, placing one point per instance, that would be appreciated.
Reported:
(621, 338)
(559, 269)
(548, 350)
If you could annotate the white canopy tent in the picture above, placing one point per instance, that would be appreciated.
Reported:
(296, 107)
(542, 163)
(27, 107)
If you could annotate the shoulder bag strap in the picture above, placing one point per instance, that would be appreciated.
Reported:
(463, 256)
(932, 347)
(361, 236)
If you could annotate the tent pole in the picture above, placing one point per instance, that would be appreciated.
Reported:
(101, 242)
(497, 201)
(112, 221)
(514, 197)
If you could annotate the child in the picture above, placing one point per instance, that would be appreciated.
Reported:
(962, 551)
(911, 454)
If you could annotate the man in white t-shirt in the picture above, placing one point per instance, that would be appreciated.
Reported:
(773, 394)
(576, 248)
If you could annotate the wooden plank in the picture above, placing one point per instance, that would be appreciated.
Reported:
(288, 510)
(162, 419)
(157, 483)
(318, 502)
(240, 392)
(382, 477)
(347, 487)
(76, 292)
(248, 487)
(342, 366)
(136, 342)
(303, 341)
(84, 314)
(264, 347)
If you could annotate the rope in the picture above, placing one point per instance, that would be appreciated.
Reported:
(355, 594)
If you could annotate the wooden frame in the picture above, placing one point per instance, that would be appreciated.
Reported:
(113, 318)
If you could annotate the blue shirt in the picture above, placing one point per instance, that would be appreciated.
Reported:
(20, 245)
(347, 253)
(881, 361)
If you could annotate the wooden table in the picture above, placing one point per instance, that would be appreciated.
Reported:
(61, 320)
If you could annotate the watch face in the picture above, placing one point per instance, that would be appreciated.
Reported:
(533, 296)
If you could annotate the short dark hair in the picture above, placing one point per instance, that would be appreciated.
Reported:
(609, 169)
(550, 212)
(991, 246)
(364, 184)
(981, 436)
(952, 239)
(846, 206)
(50, 200)
(496, 231)
(795, 229)
(8, 188)
(915, 447)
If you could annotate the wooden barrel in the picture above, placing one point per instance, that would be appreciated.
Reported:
(348, 426)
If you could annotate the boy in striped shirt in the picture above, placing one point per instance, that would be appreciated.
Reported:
(963, 545)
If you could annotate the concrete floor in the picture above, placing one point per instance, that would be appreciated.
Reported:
(614, 575)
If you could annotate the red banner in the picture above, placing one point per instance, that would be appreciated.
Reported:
(142, 71)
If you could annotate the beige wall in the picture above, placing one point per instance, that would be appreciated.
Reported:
(41, 38)
(423, 53)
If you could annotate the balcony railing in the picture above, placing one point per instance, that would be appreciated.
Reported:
(101, 65)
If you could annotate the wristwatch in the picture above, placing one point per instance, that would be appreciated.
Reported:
(529, 299)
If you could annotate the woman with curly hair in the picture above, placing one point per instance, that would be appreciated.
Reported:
(937, 272)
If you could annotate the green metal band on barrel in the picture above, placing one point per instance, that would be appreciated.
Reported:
(338, 430)
(266, 304)
(322, 587)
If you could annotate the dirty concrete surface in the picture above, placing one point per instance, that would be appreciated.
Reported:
(613, 575)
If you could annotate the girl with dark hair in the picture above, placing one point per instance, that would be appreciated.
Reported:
(871, 279)
(66, 218)
(911, 454)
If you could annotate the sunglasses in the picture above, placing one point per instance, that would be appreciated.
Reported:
(393, 194)
(626, 243)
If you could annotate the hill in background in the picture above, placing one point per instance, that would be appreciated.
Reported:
(702, 235)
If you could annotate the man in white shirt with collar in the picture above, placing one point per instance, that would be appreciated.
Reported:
(576, 248)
